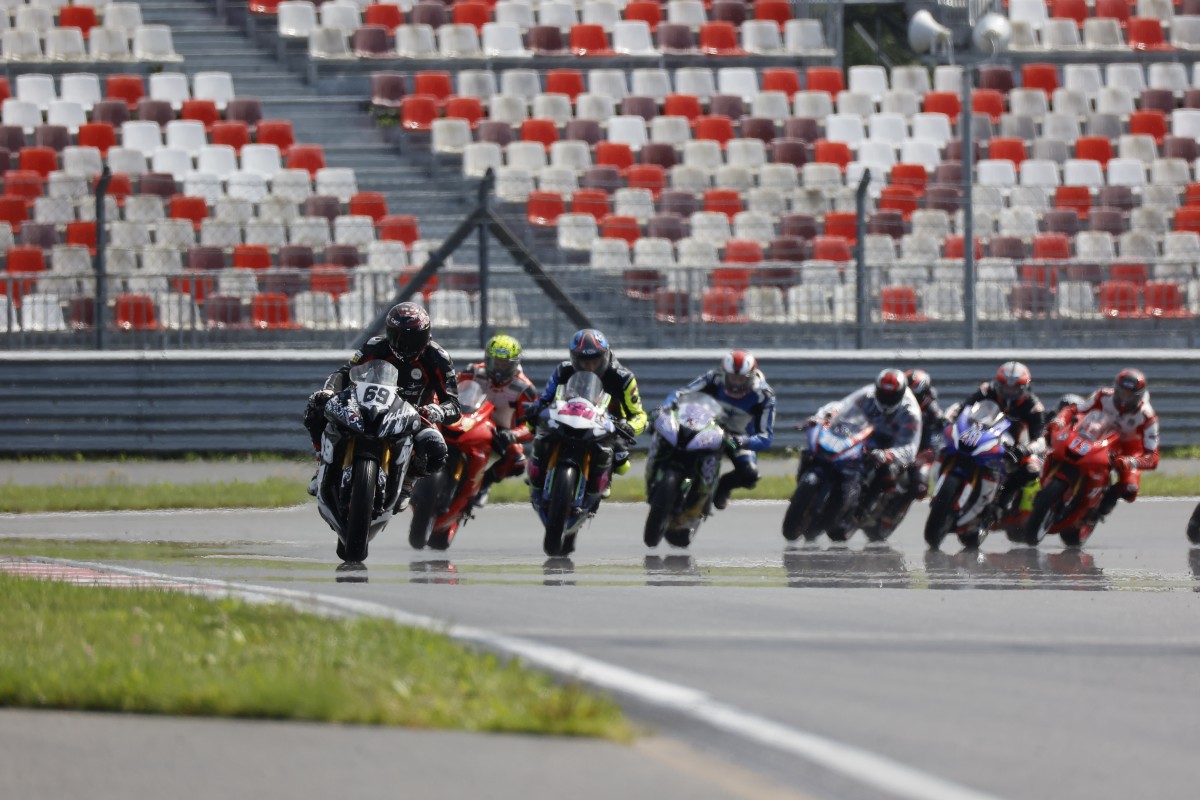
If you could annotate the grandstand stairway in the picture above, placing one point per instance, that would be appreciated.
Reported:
(341, 125)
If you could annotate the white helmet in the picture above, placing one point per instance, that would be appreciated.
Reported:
(739, 368)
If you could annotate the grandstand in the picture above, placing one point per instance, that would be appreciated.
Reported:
(685, 170)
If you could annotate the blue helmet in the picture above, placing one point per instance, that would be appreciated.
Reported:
(590, 351)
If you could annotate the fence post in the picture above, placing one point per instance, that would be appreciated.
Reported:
(98, 261)
(971, 318)
(485, 189)
(861, 314)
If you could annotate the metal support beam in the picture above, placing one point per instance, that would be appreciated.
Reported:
(966, 134)
(99, 264)
(861, 313)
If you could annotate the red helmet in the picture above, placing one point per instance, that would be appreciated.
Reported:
(921, 385)
(407, 330)
(890, 387)
(1012, 382)
(1129, 390)
(738, 368)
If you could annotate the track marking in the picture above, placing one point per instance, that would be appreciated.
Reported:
(862, 766)
(737, 781)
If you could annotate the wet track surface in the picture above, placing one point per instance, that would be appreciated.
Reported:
(1011, 671)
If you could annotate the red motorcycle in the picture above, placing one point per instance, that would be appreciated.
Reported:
(443, 501)
(1074, 480)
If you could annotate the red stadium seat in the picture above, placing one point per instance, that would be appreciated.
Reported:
(615, 154)
(1145, 33)
(1164, 299)
(263, 6)
(1119, 299)
(1044, 276)
(781, 79)
(82, 233)
(271, 311)
(1152, 123)
(1134, 273)
(472, 13)
(646, 176)
(1072, 9)
(620, 227)
(134, 312)
(905, 199)
(26, 258)
(736, 278)
(1186, 219)
(329, 278)
(910, 176)
(369, 204)
(204, 111)
(275, 131)
(42, 160)
(99, 135)
(589, 40)
(947, 103)
(306, 156)
(827, 152)
(565, 81)
(719, 304)
(590, 201)
(825, 79)
(418, 111)
(988, 101)
(778, 11)
(725, 201)
(831, 248)
(193, 208)
(433, 83)
(1094, 148)
(82, 17)
(26, 184)
(717, 128)
(539, 130)
(1113, 9)
(899, 304)
(720, 39)
(953, 247)
(741, 251)
(386, 14)
(1007, 147)
(235, 134)
(1051, 246)
(251, 256)
(682, 105)
(648, 11)
(544, 208)
(1040, 76)
(1076, 198)
(399, 228)
(129, 88)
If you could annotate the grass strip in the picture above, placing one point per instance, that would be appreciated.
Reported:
(117, 496)
(281, 492)
(164, 652)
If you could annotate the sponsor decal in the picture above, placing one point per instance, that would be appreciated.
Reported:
(416, 373)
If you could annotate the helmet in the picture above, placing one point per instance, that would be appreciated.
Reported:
(1129, 390)
(890, 387)
(921, 385)
(739, 367)
(407, 330)
(1012, 382)
(502, 359)
(590, 351)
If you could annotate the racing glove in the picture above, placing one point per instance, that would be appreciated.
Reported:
(502, 439)
(433, 413)
(532, 412)
(734, 442)
(624, 429)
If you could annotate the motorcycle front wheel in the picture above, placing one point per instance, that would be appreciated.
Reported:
(662, 504)
(562, 496)
(424, 511)
(1193, 528)
(798, 519)
(1042, 517)
(941, 511)
(362, 501)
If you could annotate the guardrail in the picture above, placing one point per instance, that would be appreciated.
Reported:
(162, 402)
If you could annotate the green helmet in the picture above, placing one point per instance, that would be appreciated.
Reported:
(502, 358)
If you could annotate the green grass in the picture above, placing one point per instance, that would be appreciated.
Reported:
(281, 492)
(163, 652)
(268, 493)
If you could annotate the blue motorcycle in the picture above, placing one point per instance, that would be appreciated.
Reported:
(968, 475)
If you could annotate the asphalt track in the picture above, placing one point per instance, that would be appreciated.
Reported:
(1012, 672)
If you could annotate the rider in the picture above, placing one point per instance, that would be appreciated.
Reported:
(1012, 391)
(892, 410)
(933, 425)
(427, 381)
(590, 352)
(749, 404)
(1128, 402)
(510, 391)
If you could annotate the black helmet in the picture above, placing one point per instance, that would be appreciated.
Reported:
(921, 385)
(407, 330)
(890, 387)
(590, 351)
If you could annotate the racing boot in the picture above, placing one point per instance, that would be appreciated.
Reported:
(404, 499)
(485, 487)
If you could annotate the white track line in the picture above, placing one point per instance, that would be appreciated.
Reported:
(867, 768)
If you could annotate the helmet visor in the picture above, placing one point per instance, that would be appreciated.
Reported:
(888, 399)
(501, 369)
(1010, 391)
(1125, 397)
(737, 385)
(408, 344)
(596, 363)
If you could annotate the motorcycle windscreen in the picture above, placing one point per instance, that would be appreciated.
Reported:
(1095, 426)
(848, 428)
(985, 413)
(471, 396)
(375, 371)
(698, 410)
(586, 386)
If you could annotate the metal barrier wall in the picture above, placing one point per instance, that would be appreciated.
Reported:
(251, 401)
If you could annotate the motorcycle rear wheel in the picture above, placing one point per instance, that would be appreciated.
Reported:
(562, 495)
(362, 501)
(1042, 517)
(941, 511)
(424, 510)
(662, 504)
(679, 537)
(798, 519)
(1193, 528)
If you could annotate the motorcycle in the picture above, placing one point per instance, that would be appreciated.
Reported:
(682, 468)
(443, 501)
(1193, 528)
(574, 425)
(365, 451)
(836, 454)
(1074, 480)
(969, 473)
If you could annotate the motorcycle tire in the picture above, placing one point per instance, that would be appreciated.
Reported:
(798, 519)
(679, 537)
(362, 501)
(424, 510)
(662, 507)
(1042, 517)
(837, 533)
(941, 511)
(1193, 528)
(562, 494)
